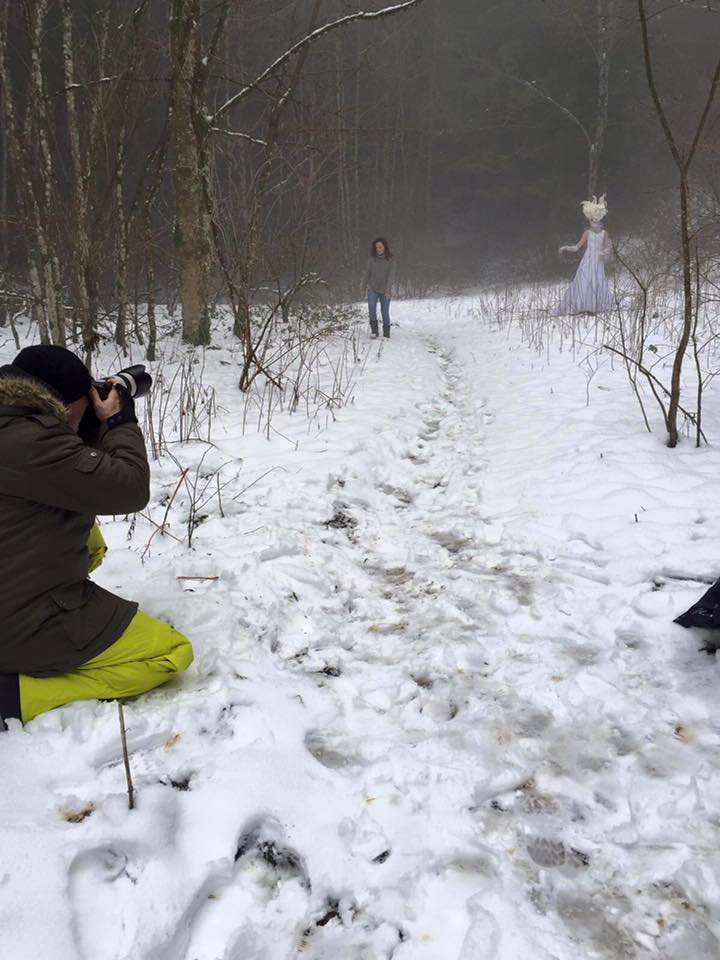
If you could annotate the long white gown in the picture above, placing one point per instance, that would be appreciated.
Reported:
(589, 291)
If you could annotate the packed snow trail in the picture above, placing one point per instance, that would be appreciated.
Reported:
(439, 709)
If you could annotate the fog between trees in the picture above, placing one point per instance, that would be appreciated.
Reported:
(152, 153)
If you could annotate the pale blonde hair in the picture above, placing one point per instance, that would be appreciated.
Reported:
(594, 210)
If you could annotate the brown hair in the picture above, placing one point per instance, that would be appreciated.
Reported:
(383, 241)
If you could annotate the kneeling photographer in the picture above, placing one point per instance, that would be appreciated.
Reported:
(70, 449)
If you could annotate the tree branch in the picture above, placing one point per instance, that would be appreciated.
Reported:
(240, 135)
(300, 45)
(703, 119)
(652, 379)
(649, 73)
(531, 85)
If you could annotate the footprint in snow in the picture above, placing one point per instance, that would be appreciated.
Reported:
(365, 838)
(451, 541)
(632, 637)
(689, 936)
(130, 902)
(259, 910)
(584, 654)
(430, 430)
(552, 852)
(403, 496)
(124, 897)
(342, 520)
(531, 722)
(483, 935)
(346, 931)
(102, 884)
(597, 930)
(334, 757)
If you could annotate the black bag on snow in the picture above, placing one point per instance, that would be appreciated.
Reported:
(705, 612)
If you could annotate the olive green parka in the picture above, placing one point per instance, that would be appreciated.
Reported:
(52, 486)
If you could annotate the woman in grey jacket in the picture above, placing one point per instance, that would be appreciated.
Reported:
(378, 280)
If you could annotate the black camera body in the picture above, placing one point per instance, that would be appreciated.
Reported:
(134, 380)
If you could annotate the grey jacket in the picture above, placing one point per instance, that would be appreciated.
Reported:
(380, 275)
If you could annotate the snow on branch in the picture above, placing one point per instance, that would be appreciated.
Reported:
(301, 44)
(239, 134)
(85, 84)
(538, 91)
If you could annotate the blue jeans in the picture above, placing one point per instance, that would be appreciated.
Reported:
(373, 300)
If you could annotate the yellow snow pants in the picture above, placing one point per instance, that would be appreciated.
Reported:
(146, 655)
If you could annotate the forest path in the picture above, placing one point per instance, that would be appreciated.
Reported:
(438, 710)
(390, 638)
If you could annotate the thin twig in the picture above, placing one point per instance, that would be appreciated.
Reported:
(126, 758)
(257, 480)
(653, 379)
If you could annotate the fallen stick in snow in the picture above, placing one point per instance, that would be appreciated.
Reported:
(126, 758)
(197, 578)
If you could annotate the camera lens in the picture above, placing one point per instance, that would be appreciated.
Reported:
(136, 379)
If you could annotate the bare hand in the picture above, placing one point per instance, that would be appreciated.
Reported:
(104, 409)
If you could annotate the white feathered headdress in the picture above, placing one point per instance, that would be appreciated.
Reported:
(594, 210)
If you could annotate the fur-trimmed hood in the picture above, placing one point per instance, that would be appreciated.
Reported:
(17, 390)
(52, 483)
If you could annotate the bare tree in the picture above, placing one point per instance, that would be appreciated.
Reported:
(83, 265)
(192, 219)
(285, 85)
(596, 23)
(31, 159)
(607, 14)
(123, 218)
(683, 155)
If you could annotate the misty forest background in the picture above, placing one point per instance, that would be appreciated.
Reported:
(198, 153)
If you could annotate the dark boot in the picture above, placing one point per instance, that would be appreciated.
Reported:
(9, 698)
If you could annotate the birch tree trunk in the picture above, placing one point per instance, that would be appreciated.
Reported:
(357, 192)
(192, 225)
(81, 264)
(48, 267)
(429, 134)
(606, 16)
(123, 224)
(19, 133)
(123, 257)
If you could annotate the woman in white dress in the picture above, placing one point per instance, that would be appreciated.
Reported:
(589, 291)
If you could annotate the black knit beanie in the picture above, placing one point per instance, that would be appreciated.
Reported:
(57, 367)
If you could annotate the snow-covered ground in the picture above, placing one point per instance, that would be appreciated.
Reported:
(439, 710)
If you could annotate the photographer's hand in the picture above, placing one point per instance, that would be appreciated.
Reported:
(104, 409)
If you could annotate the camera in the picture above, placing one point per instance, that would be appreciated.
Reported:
(135, 380)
